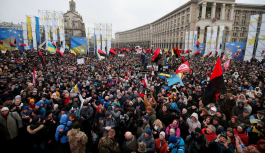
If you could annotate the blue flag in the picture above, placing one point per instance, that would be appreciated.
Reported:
(37, 29)
(174, 79)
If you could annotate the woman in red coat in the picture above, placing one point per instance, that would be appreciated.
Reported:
(209, 133)
(242, 134)
(161, 144)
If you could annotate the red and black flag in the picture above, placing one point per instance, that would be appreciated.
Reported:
(42, 59)
(198, 43)
(157, 55)
(210, 53)
(215, 86)
(1, 42)
(62, 54)
(177, 52)
(15, 41)
(112, 51)
(12, 45)
(21, 44)
(198, 52)
(183, 59)
(187, 51)
(216, 53)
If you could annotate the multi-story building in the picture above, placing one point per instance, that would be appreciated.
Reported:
(196, 15)
(73, 23)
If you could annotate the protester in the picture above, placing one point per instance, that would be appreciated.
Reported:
(108, 144)
(148, 138)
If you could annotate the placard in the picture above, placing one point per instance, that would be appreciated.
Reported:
(81, 61)
(121, 55)
(3, 51)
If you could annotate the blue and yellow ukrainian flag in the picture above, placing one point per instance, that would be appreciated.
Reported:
(98, 56)
(92, 68)
(79, 44)
(72, 52)
(66, 46)
(164, 76)
(51, 48)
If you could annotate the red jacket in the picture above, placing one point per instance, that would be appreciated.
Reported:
(66, 100)
(164, 147)
(209, 137)
(243, 137)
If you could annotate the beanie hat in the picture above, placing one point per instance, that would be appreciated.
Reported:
(31, 101)
(173, 139)
(163, 133)
(246, 111)
(17, 97)
(217, 119)
(85, 104)
(107, 114)
(38, 104)
(148, 131)
(230, 130)
(25, 108)
(145, 117)
(223, 134)
(75, 105)
(241, 125)
(4, 109)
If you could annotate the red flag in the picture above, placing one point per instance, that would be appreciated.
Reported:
(183, 67)
(198, 43)
(12, 45)
(112, 51)
(101, 51)
(187, 51)
(54, 45)
(167, 54)
(227, 64)
(157, 52)
(196, 52)
(1, 42)
(177, 50)
(34, 76)
(42, 59)
(209, 53)
(183, 59)
(216, 53)
(21, 44)
(215, 86)
(15, 41)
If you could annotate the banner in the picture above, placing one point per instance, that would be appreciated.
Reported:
(194, 40)
(201, 48)
(208, 41)
(109, 34)
(104, 36)
(33, 25)
(252, 29)
(234, 50)
(191, 41)
(29, 28)
(61, 30)
(261, 41)
(37, 29)
(79, 44)
(220, 40)
(214, 40)
(25, 34)
(7, 36)
(54, 26)
(186, 47)
(98, 37)
(81, 61)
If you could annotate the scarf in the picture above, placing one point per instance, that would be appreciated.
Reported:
(257, 131)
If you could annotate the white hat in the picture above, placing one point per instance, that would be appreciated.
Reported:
(4, 109)
(213, 109)
(163, 133)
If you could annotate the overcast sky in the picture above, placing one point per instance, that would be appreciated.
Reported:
(123, 14)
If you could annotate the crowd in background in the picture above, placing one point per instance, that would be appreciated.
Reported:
(103, 105)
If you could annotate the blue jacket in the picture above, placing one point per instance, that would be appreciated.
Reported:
(64, 124)
(177, 147)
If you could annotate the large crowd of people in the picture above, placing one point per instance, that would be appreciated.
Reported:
(104, 106)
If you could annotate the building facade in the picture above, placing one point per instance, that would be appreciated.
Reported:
(73, 23)
(196, 15)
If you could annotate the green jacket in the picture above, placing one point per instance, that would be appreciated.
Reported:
(108, 145)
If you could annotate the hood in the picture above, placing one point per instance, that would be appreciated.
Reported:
(32, 129)
(194, 115)
(228, 139)
(260, 141)
(171, 125)
(63, 119)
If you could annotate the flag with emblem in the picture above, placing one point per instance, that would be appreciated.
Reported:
(183, 67)
(234, 50)
(145, 82)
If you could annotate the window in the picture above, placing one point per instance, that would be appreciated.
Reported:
(241, 40)
(241, 34)
(233, 39)
(234, 34)
(237, 11)
(242, 29)
(236, 17)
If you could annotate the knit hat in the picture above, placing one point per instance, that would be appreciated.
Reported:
(173, 139)
(217, 119)
(38, 104)
(31, 101)
(75, 105)
(85, 104)
(25, 108)
(64, 109)
(107, 114)
(4, 109)
(223, 134)
(246, 111)
(241, 125)
(213, 109)
(145, 117)
(230, 130)
(163, 133)
(148, 131)
(17, 97)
